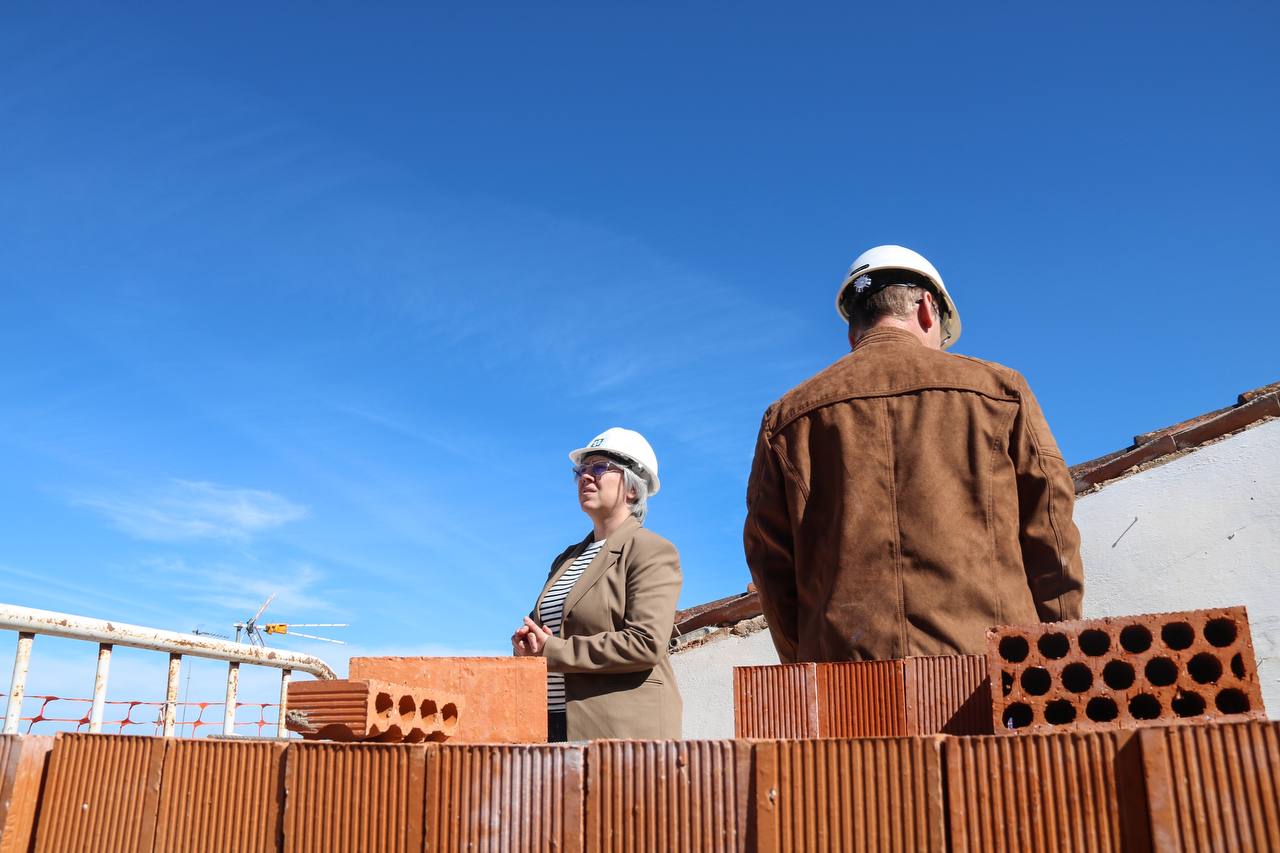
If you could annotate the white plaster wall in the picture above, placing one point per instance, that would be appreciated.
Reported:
(705, 676)
(1207, 535)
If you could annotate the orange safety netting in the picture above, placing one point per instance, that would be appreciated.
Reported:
(144, 714)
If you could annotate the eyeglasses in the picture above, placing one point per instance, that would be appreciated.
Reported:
(595, 469)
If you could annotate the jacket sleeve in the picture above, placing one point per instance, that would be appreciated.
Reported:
(1046, 495)
(653, 587)
(768, 544)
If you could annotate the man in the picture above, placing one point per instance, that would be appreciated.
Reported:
(905, 499)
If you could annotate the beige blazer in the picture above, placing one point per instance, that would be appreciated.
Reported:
(612, 645)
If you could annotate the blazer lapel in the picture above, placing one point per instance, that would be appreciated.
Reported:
(603, 562)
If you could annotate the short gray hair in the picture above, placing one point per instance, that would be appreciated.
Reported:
(896, 300)
(632, 481)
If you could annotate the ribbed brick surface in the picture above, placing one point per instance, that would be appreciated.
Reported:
(868, 794)
(221, 796)
(347, 710)
(891, 698)
(22, 763)
(667, 795)
(863, 699)
(505, 698)
(1213, 787)
(775, 701)
(1060, 792)
(1154, 669)
(353, 797)
(948, 695)
(505, 799)
(100, 794)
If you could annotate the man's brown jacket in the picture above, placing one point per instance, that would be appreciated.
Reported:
(904, 500)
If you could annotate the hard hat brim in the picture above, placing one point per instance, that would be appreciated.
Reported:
(576, 457)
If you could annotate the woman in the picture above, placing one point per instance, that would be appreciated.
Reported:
(604, 616)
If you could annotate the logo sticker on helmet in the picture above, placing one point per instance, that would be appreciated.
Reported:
(596, 443)
(861, 283)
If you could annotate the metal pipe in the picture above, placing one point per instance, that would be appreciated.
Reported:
(18, 686)
(171, 693)
(31, 621)
(100, 688)
(233, 687)
(285, 674)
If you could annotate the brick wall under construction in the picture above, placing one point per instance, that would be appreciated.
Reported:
(1187, 787)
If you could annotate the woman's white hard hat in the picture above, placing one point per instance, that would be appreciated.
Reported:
(901, 258)
(628, 444)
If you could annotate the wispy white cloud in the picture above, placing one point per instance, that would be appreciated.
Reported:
(186, 509)
(241, 589)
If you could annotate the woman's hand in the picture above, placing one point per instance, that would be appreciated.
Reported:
(529, 639)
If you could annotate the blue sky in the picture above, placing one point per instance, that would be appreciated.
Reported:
(314, 300)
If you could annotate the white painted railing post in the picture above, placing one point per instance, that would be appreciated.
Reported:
(281, 731)
(233, 687)
(171, 693)
(18, 686)
(100, 688)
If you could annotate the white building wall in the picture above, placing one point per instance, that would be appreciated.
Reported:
(1207, 535)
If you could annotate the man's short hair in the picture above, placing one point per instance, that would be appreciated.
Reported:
(895, 301)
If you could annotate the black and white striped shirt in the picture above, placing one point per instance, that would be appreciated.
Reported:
(551, 614)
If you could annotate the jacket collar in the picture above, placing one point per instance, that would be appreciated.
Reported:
(886, 334)
(606, 559)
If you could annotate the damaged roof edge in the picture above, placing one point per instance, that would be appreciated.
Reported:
(1148, 449)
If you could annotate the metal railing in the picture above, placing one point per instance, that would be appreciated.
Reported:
(29, 622)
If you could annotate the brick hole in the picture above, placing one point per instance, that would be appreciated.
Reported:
(382, 704)
(1014, 649)
(1054, 646)
(1135, 639)
(1036, 680)
(1205, 668)
(1237, 666)
(1094, 643)
(1187, 704)
(1232, 701)
(1118, 675)
(1017, 716)
(1101, 710)
(428, 709)
(1006, 682)
(1161, 672)
(1178, 635)
(1059, 712)
(449, 716)
(1144, 706)
(1220, 632)
(407, 706)
(1077, 678)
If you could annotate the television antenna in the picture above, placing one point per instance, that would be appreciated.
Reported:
(254, 633)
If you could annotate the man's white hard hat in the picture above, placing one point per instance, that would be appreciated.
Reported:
(628, 444)
(901, 258)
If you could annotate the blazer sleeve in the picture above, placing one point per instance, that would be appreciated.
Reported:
(768, 543)
(653, 587)
(1046, 497)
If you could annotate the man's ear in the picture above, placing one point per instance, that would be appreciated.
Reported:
(924, 312)
(853, 339)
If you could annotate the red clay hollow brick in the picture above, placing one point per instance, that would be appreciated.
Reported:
(370, 710)
(675, 796)
(860, 794)
(1057, 792)
(1213, 787)
(1124, 671)
(889, 698)
(494, 798)
(506, 697)
(23, 759)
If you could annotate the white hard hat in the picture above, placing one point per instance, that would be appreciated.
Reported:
(900, 258)
(628, 444)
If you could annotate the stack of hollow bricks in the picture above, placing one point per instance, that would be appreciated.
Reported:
(370, 710)
(1183, 787)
